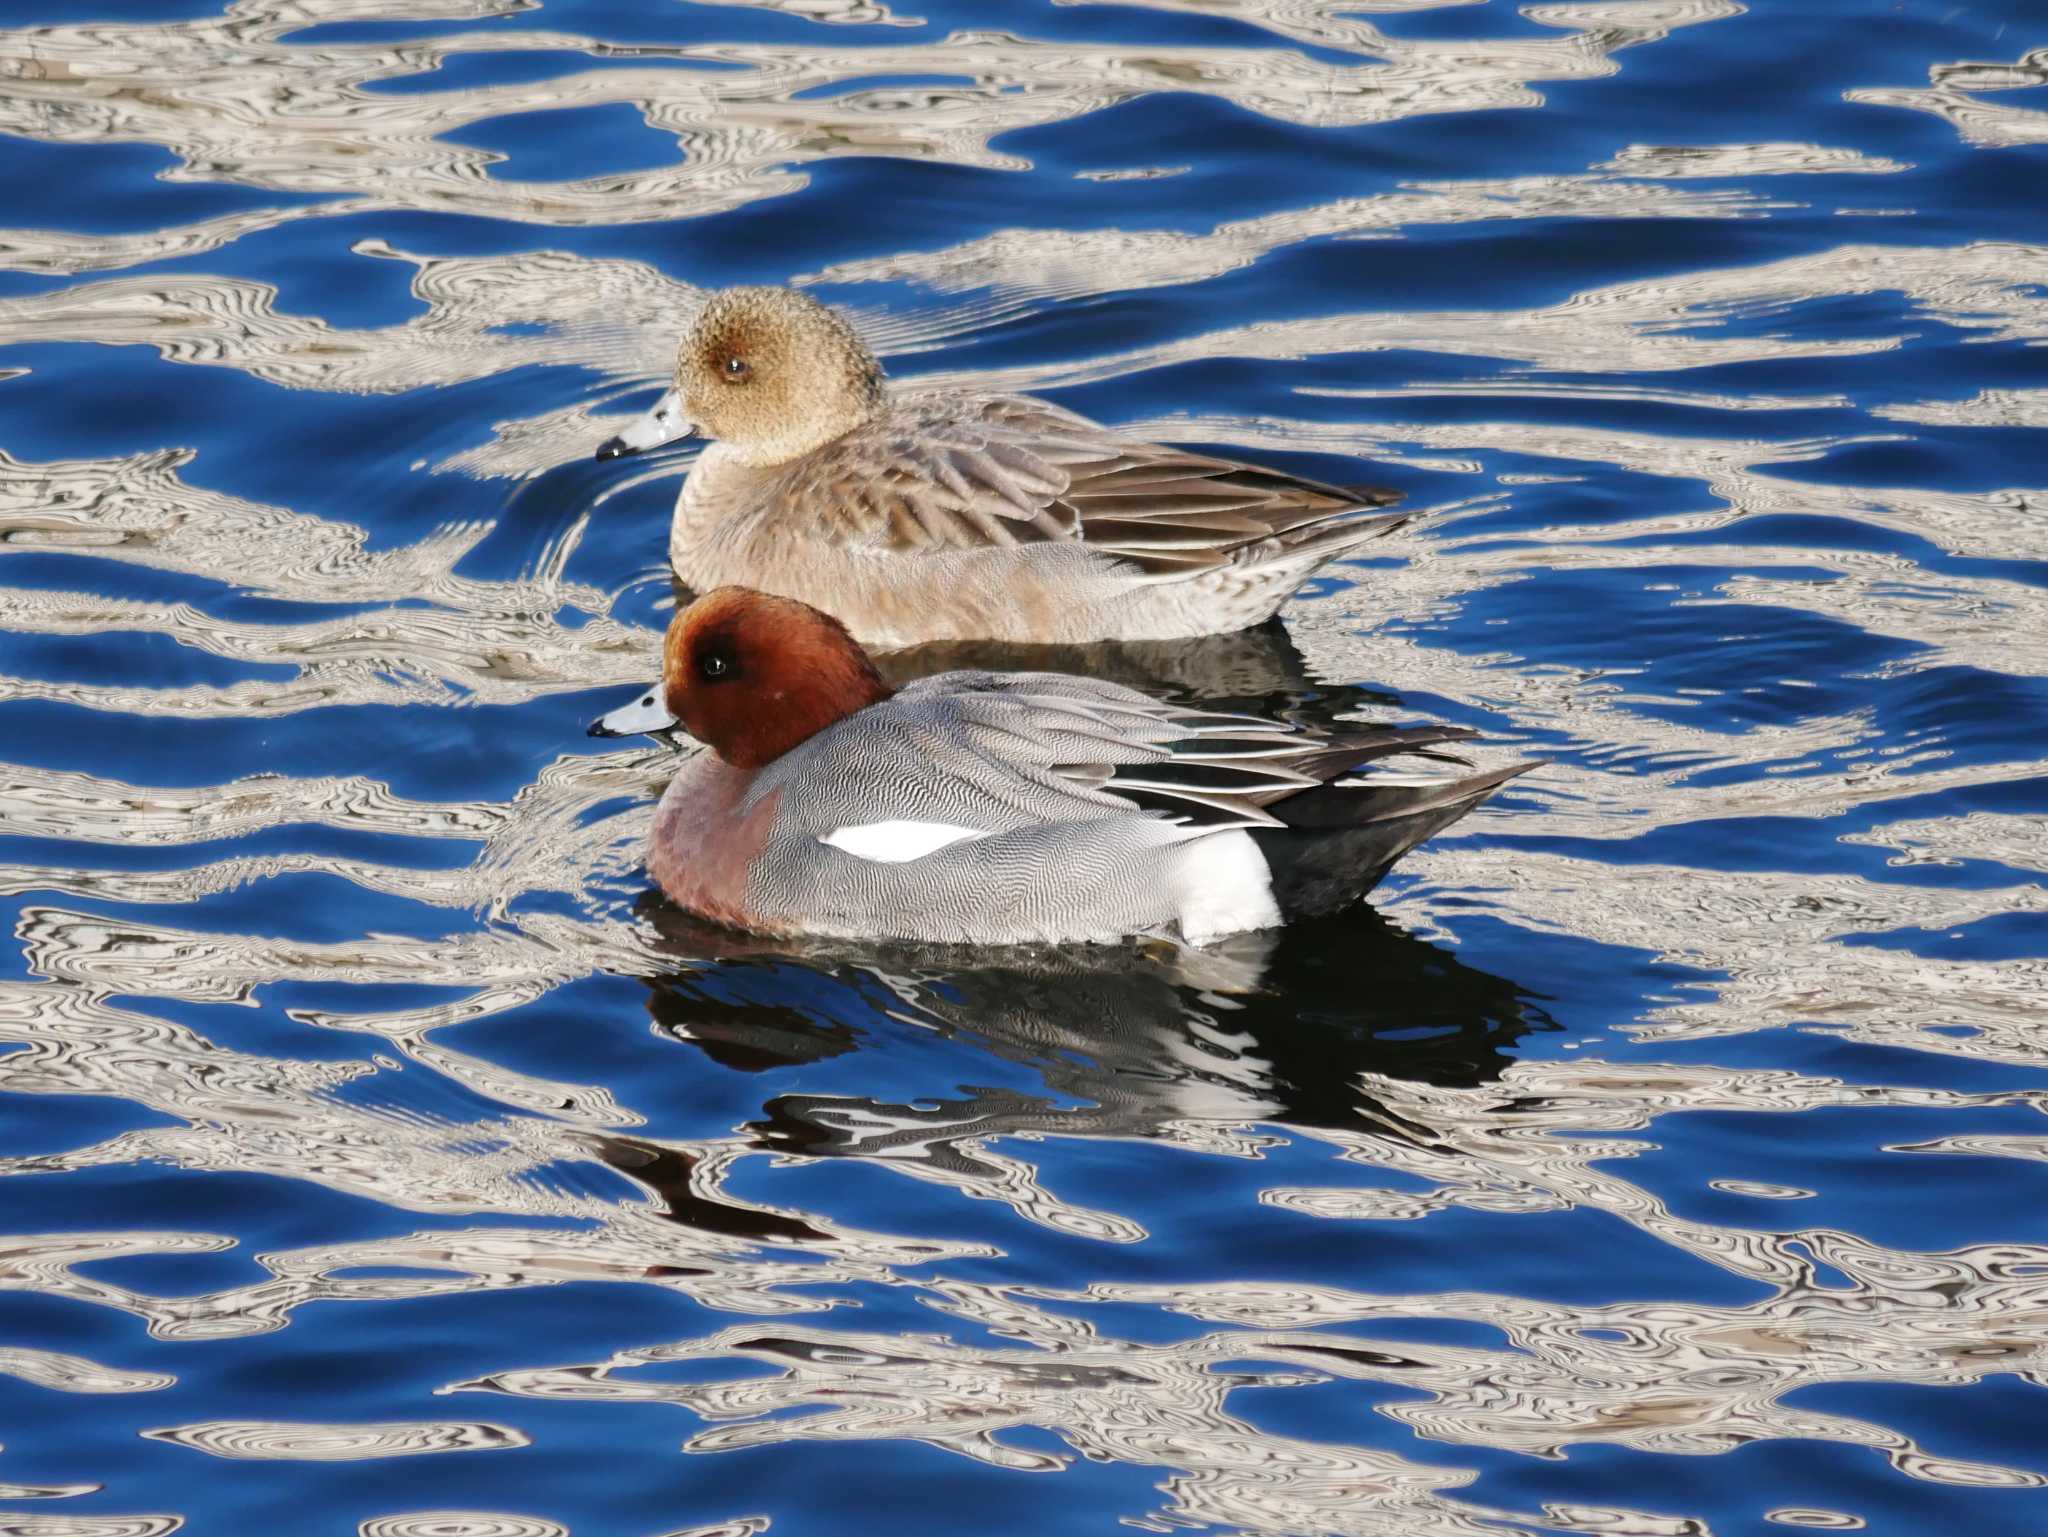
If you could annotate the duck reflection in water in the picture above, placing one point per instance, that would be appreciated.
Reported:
(1126, 1042)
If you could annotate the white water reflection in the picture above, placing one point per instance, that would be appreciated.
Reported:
(1688, 162)
(234, 100)
(458, 1523)
(1956, 92)
(268, 1442)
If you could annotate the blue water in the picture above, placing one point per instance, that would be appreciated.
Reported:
(1663, 1156)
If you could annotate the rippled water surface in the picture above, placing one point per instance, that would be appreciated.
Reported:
(1666, 1156)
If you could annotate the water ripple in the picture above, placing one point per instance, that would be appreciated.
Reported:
(73, 1374)
(268, 1441)
(1954, 96)
(1684, 1102)
(458, 1523)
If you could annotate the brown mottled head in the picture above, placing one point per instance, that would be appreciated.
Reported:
(775, 374)
(750, 676)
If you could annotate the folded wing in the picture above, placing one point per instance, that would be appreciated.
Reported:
(939, 473)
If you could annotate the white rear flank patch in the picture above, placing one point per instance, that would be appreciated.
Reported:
(897, 843)
(1226, 887)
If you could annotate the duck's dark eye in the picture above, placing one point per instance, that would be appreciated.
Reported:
(736, 370)
(713, 668)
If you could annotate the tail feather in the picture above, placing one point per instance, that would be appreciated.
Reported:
(1332, 757)
(1328, 538)
(1341, 839)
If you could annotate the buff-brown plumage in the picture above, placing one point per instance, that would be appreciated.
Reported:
(936, 515)
(775, 374)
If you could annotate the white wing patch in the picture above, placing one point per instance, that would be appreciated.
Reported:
(896, 843)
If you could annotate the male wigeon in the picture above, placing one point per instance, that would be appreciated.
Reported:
(996, 808)
(930, 516)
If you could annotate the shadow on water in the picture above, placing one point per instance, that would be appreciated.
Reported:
(1124, 1039)
(1260, 669)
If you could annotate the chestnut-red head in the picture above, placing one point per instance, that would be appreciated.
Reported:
(750, 675)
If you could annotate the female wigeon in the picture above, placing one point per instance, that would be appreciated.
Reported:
(931, 516)
(996, 808)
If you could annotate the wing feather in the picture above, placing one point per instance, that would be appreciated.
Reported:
(940, 472)
(968, 753)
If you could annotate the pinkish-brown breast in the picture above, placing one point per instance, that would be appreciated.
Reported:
(703, 847)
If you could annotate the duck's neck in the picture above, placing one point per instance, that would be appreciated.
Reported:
(818, 425)
(720, 486)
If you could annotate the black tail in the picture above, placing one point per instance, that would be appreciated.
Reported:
(1340, 839)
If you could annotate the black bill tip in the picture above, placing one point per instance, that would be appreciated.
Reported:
(614, 448)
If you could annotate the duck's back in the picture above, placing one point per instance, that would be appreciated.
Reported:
(942, 814)
(951, 517)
